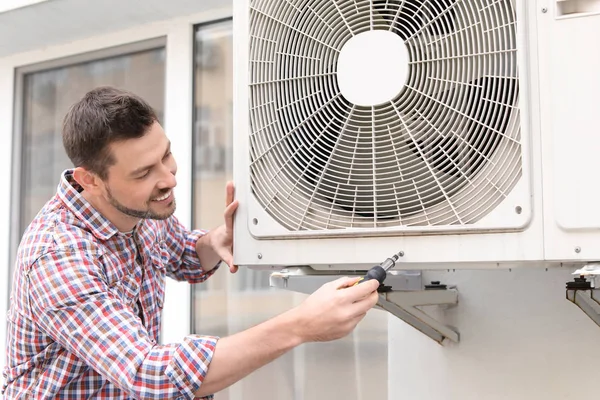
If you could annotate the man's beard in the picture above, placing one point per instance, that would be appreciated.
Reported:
(144, 214)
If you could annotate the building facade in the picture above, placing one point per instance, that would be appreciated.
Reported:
(520, 339)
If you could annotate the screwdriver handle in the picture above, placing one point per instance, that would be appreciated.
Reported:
(377, 272)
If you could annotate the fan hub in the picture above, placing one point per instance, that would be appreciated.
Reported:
(381, 61)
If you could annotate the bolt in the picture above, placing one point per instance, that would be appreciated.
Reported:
(544, 10)
(401, 254)
(259, 256)
(577, 249)
(518, 209)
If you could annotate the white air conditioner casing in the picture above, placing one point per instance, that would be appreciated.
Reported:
(485, 144)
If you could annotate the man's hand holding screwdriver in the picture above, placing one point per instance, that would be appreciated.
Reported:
(330, 313)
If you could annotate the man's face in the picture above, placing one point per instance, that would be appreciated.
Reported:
(140, 183)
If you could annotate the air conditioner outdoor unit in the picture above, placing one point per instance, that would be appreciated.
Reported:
(463, 133)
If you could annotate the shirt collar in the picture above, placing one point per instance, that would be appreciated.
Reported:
(69, 192)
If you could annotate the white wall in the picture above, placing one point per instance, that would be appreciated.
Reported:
(520, 340)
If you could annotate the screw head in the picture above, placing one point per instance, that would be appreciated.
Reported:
(577, 249)
(545, 10)
(259, 255)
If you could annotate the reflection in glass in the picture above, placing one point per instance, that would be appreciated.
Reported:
(354, 368)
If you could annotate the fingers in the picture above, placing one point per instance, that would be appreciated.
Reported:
(229, 212)
(227, 259)
(351, 323)
(355, 321)
(345, 282)
(363, 305)
(363, 289)
(231, 206)
(229, 193)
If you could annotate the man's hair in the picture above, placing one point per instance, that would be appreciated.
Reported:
(104, 116)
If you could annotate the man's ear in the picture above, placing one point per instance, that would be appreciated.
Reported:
(89, 181)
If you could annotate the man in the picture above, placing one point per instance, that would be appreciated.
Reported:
(89, 281)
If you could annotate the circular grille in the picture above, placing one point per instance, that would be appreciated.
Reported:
(426, 135)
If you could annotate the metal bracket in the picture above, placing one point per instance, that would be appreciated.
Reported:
(405, 295)
(581, 293)
(403, 304)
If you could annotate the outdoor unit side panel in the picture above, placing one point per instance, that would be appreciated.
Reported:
(570, 126)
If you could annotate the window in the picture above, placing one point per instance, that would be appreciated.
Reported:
(47, 92)
(353, 368)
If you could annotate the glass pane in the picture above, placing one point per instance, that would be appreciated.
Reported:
(354, 368)
(47, 98)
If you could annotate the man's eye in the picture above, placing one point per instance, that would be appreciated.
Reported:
(144, 175)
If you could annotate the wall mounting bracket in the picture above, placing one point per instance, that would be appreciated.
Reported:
(581, 293)
(403, 304)
(404, 292)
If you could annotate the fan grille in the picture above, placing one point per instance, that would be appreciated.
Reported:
(445, 151)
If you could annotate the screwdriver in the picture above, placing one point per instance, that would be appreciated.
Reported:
(379, 272)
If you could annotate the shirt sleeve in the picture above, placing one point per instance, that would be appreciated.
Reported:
(73, 303)
(184, 264)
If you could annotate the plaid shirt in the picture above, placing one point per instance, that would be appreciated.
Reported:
(84, 314)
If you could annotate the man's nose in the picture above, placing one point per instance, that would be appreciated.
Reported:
(168, 179)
